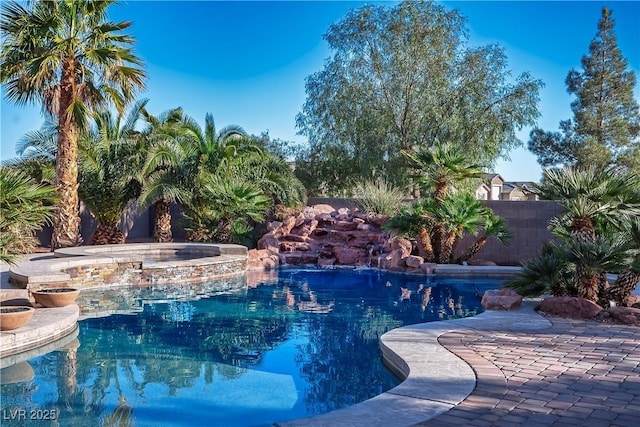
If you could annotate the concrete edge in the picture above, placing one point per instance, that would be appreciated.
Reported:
(46, 326)
(435, 379)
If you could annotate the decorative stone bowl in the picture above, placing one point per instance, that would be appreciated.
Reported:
(14, 316)
(55, 297)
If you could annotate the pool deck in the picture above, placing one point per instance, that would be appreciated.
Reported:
(500, 368)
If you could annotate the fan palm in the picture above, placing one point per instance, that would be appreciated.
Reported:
(169, 153)
(415, 220)
(629, 278)
(25, 207)
(66, 55)
(109, 158)
(592, 259)
(548, 273)
(437, 168)
(233, 203)
(460, 214)
(591, 197)
(495, 227)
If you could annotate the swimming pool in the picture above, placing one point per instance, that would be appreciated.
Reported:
(301, 343)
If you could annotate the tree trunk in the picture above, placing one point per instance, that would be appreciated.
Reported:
(474, 248)
(587, 284)
(107, 234)
(162, 225)
(425, 241)
(447, 248)
(624, 285)
(66, 218)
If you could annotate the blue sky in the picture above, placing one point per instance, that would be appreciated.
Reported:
(246, 62)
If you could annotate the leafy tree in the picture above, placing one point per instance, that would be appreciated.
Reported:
(606, 124)
(402, 78)
(25, 206)
(66, 55)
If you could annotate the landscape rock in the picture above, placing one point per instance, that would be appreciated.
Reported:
(413, 261)
(323, 209)
(625, 315)
(571, 307)
(501, 299)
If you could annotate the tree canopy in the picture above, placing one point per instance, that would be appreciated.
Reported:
(605, 129)
(403, 78)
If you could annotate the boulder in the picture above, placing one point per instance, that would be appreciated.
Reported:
(270, 243)
(392, 260)
(288, 223)
(571, 307)
(326, 262)
(402, 244)
(625, 315)
(349, 256)
(501, 299)
(413, 261)
(323, 209)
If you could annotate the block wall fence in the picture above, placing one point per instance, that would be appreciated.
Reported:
(527, 220)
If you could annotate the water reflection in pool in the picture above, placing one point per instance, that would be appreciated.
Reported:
(300, 343)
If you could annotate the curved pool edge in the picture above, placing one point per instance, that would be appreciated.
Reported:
(48, 325)
(436, 380)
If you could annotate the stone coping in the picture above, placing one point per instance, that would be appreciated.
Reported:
(50, 271)
(46, 326)
(435, 380)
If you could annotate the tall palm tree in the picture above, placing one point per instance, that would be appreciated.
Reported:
(109, 158)
(25, 206)
(66, 55)
(167, 170)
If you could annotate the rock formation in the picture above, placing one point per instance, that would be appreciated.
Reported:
(321, 235)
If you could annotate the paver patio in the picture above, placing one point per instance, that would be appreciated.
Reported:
(575, 373)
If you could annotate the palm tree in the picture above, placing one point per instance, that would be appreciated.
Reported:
(460, 214)
(109, 158)
(166, 173)
(494, 226)
(591, 197)
(548, 273)
(415, 220)
(25, 207)
(592, 259)
(628, 279)
(437, 168)
(594, 200)
(231, 203)
(66, 55)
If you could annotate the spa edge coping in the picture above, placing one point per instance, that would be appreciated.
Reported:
(49, 271)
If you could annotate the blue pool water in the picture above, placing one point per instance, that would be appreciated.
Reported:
(300, 343)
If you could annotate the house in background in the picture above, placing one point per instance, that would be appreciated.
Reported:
(494, 187)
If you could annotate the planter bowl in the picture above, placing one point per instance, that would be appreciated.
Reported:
(55, 297)
(14, 316)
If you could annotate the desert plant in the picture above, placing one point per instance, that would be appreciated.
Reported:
(378, 197)
(25, 207)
